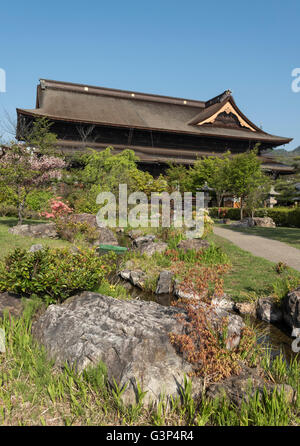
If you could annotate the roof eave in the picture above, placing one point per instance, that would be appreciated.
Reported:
(255, 138)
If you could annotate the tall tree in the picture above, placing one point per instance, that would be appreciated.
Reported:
(245, 176)
(23, 170)
(215, 172)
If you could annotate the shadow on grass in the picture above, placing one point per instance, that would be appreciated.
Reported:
(13, 221)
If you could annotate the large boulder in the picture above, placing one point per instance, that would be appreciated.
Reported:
(291, 311)
(263, 222)
(135, 277)
(130, 337)
(142, 240)
(11, 303)
(193, 243)
(41, 230)
(165, 282)
(135, 233)
(267, 310)
(250, 222)
(244, 386)
(150, 248)
(146, 245)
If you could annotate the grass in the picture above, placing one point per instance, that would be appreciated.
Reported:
(34, 391)
(291, 236)
(249, 275)
(10, 241)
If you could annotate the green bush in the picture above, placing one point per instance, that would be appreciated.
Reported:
(37, 200)
(72, 231)
(10, 210)
(231, 213)
(7, 195)
(53, 274)
(282, 216)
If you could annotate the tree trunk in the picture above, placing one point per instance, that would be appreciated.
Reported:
(21, 211)
(242, 204)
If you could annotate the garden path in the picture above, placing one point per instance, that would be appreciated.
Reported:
(269, 249)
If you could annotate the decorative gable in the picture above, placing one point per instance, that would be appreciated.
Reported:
(227, 116)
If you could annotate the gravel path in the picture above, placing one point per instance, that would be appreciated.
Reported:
(263, 247)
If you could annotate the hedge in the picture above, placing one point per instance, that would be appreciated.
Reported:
(282, 216)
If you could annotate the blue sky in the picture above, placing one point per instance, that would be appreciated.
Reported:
(191, 49)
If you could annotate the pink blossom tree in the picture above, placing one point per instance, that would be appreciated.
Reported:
(23, 169)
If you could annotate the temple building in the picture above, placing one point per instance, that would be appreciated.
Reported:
(160, 129)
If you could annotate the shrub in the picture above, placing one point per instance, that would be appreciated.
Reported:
(84, 200)
(58, 208)
(72, 231)
(281, 216)
(231, 213)
(203, 343)
(284, 284)
(37, 200)
(53, 274)
(199, 279)
(8, 210)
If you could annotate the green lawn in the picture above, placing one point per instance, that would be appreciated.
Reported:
(249, 274)
(291, 236)
(9, 241)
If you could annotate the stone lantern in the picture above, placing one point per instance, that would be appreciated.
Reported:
(207, 193)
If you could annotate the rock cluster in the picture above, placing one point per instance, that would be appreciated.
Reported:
(250, 222)
(130, 337)
(291, 311)
(41, 230)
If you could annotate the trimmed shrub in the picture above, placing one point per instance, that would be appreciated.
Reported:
(53, 274)
(282, 216)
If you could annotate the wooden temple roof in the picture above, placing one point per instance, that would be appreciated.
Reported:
(218, 117)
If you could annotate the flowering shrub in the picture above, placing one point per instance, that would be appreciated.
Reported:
(207, 221)
(58, 209)
(53, 274)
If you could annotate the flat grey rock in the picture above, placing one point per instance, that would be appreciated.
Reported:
(130, 337)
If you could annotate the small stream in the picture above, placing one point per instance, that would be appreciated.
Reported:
(274, 338)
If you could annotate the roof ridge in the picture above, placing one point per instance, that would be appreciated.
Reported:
(92, 89)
